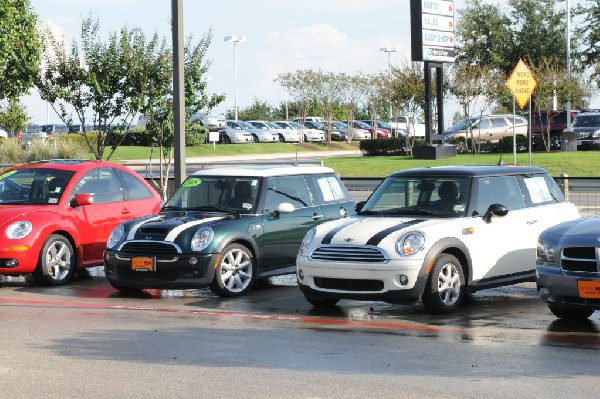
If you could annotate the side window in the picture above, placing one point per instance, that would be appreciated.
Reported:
(503, 190)
(500, 122)
(542, 189)
(135, 189)
(102, 184)
(327, 188)
(483, 124)
(291, 189)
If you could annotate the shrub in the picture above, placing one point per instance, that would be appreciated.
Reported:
(384, 146)
(195, 135)
(12, 152)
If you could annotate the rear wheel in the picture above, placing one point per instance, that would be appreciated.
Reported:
(570, 314)
(444, 290)
(56, 261)
(254, 138)
(235, 272)
(226, 139)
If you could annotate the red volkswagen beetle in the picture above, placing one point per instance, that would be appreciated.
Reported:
(55, 216)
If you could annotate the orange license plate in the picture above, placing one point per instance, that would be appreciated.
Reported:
(589, 289)
(142, 264)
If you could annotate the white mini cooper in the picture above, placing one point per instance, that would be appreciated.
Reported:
(434, 234)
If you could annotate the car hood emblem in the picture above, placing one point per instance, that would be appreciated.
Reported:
(348, 239)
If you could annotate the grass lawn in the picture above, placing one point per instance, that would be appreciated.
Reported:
(575, 164)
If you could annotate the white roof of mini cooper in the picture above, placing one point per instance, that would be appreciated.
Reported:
(264, 170)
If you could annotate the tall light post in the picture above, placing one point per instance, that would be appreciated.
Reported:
(568, 5)
(235, 39)
(389, 51)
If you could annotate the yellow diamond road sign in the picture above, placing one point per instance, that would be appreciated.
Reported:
(521, 83)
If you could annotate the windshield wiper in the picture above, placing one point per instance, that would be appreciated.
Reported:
(213, 208)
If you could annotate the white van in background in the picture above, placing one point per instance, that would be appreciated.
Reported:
(411, 124)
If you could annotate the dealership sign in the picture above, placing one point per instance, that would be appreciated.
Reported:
(432, 30)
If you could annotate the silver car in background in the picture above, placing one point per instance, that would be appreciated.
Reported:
(259, 135)
(285, 135)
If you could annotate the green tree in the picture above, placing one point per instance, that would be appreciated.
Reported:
(20, 48)
(258, 110)
(13, 116)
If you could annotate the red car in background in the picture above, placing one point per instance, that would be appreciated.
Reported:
(363, 125)
(56, 216)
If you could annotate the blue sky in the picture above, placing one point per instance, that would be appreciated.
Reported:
(282, 36)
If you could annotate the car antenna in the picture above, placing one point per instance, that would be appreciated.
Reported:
(501, 161)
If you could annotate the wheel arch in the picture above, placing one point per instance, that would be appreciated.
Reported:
(452, 246)
(242, 239)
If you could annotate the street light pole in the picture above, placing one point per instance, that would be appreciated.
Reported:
(569, 123)
(389, 51)
(235, 39)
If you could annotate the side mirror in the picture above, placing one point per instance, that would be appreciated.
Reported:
(82, 199)
(495, 210)
(359, 206)
(286, 207)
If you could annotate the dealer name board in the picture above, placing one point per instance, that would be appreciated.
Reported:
(432, 30)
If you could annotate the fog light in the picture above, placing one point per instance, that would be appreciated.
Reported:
(403, 279)
(544, 293)
(300, 274)
(193, 260)
(11, 263)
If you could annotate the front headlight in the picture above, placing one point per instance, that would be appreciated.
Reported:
(410, 243)
(307, 240)
(596, 134)
(18, 230)
(202, 238)
(115, 236)
(547, 253)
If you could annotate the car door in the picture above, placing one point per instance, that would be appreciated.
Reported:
(97, 220)
(283, 232)
(332, 196)
(505, 245)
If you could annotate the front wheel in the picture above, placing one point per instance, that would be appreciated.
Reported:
(56, 262)
(235, 272)
(444, 290)
(571, 314)
(281, 138)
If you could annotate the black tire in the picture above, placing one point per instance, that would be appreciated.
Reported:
(226, 139)
(570, 314)
(254, 138)
(445, 288)
(56, 261)
(235, 274)
(318, 302)
(281, 138)
(126, 290)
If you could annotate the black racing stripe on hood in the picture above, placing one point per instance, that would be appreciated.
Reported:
(329, 236)
(376, 239)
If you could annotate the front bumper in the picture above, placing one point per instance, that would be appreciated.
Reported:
(560, 288)
(182, 272)
(392, 281)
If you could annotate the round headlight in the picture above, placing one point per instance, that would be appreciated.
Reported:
(307, 240)
(410, 243)
(202, 238)
(18, 230)
(546, 252)
(115, 236)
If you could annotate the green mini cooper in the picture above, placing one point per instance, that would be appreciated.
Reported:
(224, 228)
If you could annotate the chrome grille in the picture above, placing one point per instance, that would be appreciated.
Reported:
(348, 253)
(150, 247)
(580, 259)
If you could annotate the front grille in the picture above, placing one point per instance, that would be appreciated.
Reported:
(355, 285)
(348, 253)
(580, 259)
(149, 247)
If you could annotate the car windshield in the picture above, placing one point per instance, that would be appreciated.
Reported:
(273, 125)
(246, 125)
(587, 120)
(362, 125)
(339, 124)
(33, 186)
(441, 196)
(295, 125)
(211, 193)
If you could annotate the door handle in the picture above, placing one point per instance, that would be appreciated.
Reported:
(317, 217)
(125, 211)
(532, 221)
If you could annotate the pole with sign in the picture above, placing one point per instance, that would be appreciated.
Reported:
(521, 84)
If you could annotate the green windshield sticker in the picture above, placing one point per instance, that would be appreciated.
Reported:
(5, 175)
(193, 182)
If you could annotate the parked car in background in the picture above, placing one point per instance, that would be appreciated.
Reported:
(212, 123)
(487, 127)
(225, 228)
(568, 268)
(404, 124)
(556, 121)
(587, 128)
(259, 135)
(3, 134)
(229, 135)
(311, 134)
(285, 135)
(375, 133)
(434, 234)
(381, 125)
(310, 119)
(57, 215)
(357, 133)
(336, 134)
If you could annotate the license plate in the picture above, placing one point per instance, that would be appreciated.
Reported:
(589, 289)
(142, 264)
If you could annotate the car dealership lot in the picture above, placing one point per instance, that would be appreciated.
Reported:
(271, 343)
